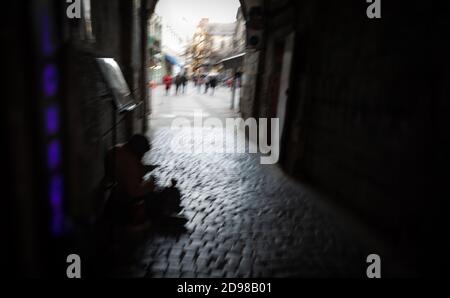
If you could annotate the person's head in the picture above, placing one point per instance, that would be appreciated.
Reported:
(139, 144)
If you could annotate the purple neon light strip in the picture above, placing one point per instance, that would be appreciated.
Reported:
(52, 120)
(47, 44)
(50, 86)
(50, 77)
(54, 155)
(56, 201)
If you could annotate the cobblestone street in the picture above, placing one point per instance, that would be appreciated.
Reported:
(245, 220)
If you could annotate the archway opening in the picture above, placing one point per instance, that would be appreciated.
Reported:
(195, 59)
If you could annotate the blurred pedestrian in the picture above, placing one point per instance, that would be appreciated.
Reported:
(167, 80)
(230, 82)
(177, 83)
(213, 84)
(184, 82)
(238, 78)
(206, 84)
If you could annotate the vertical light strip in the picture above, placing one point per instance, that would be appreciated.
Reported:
(52, 128)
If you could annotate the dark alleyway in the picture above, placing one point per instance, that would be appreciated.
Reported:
(245, 219)
(363, 109)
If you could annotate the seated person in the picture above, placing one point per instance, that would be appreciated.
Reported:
(134, 197)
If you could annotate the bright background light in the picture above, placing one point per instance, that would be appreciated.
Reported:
(182, 17)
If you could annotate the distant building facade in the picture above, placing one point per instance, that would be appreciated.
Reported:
(221, 39)
(200, 49)
(211, 43)
(156, 61)
(162, 59)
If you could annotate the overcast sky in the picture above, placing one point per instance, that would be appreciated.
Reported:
(183, 16)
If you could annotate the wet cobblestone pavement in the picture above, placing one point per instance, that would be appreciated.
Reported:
(244, 220)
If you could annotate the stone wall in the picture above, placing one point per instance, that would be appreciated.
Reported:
(89, 104)
(250, 70)
(361, 107)
(366, 90)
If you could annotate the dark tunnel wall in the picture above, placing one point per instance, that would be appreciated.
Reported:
(90, 105)
(367, 92)
(85, 122)
(367, 111)
(362, 111)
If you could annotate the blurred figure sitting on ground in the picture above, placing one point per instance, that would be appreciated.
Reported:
(136, 200)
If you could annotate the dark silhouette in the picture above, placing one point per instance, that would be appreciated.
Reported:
(136, 200)
(178, 82)
(184, 82)
(206, 84)
(213, 84)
